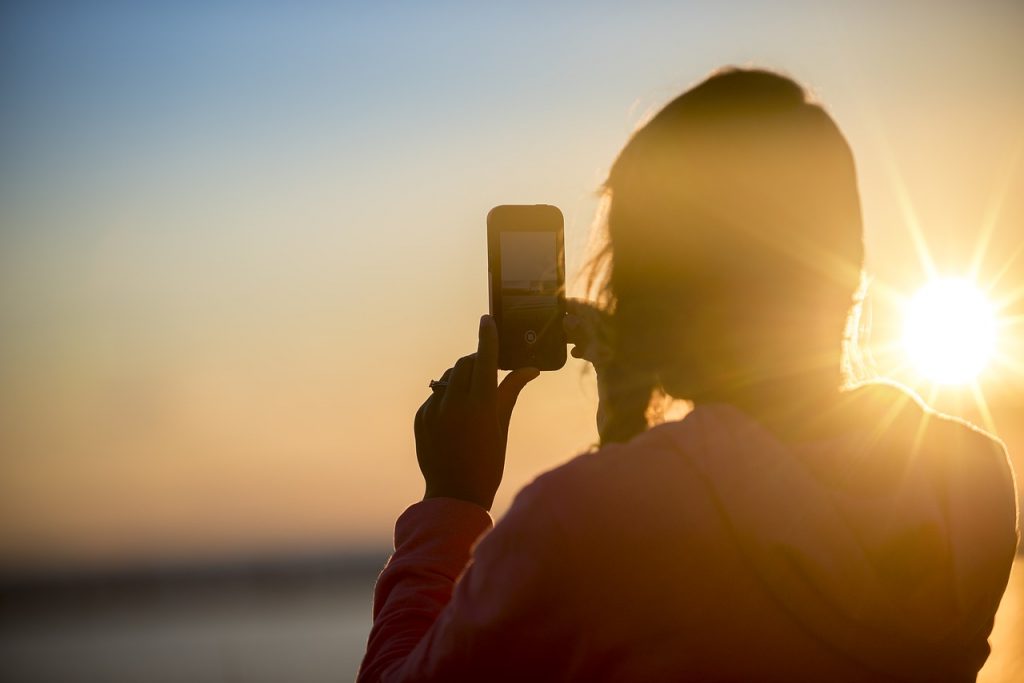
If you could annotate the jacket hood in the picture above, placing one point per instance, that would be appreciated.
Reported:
(892, 542)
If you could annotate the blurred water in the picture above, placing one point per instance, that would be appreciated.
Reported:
(258, 631)
(301, 624)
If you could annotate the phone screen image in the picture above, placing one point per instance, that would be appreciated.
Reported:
(529, 283)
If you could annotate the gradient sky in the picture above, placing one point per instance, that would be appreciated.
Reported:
(237, 239)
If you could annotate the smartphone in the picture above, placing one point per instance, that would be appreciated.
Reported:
(526, 268)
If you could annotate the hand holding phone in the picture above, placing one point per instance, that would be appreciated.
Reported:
(526, 264)
(462, 428)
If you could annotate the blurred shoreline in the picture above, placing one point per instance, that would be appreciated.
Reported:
(37, 582)
(300, 618)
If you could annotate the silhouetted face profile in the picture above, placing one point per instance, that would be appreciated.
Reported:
(734, 248)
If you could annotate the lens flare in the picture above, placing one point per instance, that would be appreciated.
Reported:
(950, 331)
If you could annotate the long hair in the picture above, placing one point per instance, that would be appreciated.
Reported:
(733, 249)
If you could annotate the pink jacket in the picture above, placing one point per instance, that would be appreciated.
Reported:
(706, 549)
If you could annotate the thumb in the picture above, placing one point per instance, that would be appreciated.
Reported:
(508, 392)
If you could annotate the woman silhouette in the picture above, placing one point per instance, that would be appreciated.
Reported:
(792, 526)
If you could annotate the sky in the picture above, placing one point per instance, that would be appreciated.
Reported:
(238, 239)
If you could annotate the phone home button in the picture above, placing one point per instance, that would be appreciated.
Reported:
(530, 337)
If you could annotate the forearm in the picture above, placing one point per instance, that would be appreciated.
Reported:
(433, 540)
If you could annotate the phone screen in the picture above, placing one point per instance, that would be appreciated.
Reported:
(529, 284)
(529, 260)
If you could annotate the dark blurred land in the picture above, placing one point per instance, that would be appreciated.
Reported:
(295, 619)
(298, 619)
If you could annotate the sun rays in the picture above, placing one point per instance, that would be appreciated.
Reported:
(955, 324)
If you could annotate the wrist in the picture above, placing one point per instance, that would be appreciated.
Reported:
(475, 498)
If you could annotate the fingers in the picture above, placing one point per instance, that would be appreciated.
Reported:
(485, 369)
(583, 321)
(572, 323)
(574, 305)
(586, 327)
(428, 409)
(476, 375)
(417, 421)
(575, 330)
(433, 402)
(508, 392)
(447, 375)
(460, 381)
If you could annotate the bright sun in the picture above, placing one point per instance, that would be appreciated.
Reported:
(950, 331)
